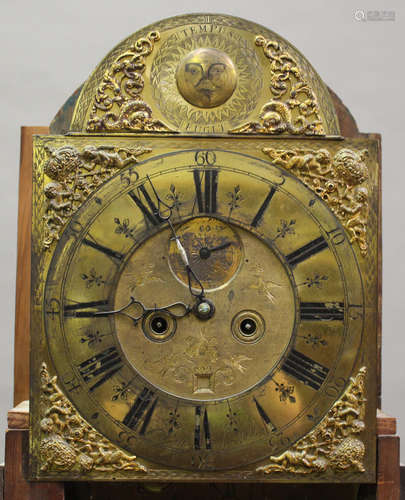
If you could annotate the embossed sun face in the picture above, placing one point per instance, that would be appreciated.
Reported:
(235, 388)
(206, 77)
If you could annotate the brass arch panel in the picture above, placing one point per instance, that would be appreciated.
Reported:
(248, 80)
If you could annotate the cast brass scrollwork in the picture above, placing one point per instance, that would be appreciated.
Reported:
(118, 104)
(339, 179)
(69, 443)
(293, 108)
(333, 444)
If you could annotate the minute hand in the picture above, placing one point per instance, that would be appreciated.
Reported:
(190, 273)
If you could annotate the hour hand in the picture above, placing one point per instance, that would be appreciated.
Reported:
(140, 311)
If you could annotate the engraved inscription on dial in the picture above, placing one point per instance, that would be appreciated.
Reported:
(204, 360)
(214, 250)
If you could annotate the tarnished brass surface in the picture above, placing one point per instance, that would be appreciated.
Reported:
(206, 77)
(202, 360)
(118, 103)
(73, 175)
(242, 78)
(335, 442)
(209, 399)
(216, 267)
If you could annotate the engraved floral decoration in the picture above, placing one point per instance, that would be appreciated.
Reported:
(285, 228)
(174, 418)
(92, 278)
(334, 444)
(92, 337)
(315, 341)
(121, 391)
(141, 277)
(174, 198)
(69, 443)
(201, 358)
(339, 179)
(294, 108)
(235, 199)
(73, 175)
(314, 281)
(285, 392)
(265, 286)
(118, 103)
(232, 417)
(123, 227)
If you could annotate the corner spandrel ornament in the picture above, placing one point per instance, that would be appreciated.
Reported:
(334, 444)
(69, 443)
(74, 175)
(340, 179)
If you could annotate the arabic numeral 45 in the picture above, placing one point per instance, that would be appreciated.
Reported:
(279, 441)
(335, 388)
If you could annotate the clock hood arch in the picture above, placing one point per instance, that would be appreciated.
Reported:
(202, 74)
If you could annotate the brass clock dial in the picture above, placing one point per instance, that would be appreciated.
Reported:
(226, 391)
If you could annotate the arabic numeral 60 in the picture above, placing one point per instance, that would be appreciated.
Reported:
(205, 158)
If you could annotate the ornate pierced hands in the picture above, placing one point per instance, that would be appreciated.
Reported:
(140, 311)
(203, 308)
(165, 211)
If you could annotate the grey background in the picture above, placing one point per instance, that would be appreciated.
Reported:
(48, 48)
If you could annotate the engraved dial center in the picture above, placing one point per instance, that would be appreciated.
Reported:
(226, 353)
